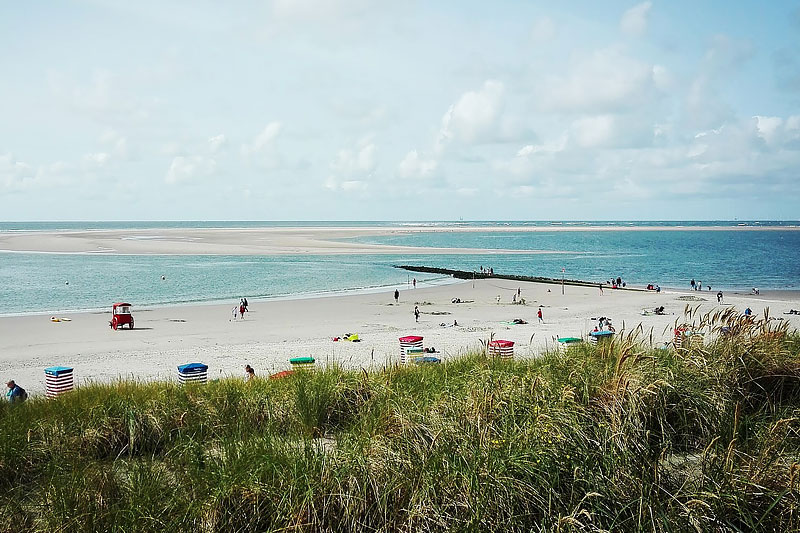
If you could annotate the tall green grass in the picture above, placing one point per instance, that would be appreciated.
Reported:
(621, 437)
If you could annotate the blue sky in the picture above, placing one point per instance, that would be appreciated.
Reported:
(351, 109)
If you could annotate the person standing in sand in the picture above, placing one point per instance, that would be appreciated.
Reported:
(416, 313)
(539, 314)
(415, 283)
(719, 297)
(396, 296)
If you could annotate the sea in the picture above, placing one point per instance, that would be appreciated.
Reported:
(725, 259)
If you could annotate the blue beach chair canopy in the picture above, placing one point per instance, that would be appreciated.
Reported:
(192, 368)
(57, 370)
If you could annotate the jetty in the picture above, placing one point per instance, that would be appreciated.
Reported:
(464, 274)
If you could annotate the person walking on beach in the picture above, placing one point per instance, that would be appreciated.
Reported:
(242, 309)
(719, 297)
(692, 284)
(416, 314)
(415, 283)
(600, 286)
(234, 312)
(539, 314)
(396, 296)
(15, 393)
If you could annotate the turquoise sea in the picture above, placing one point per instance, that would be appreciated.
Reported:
(44, 283)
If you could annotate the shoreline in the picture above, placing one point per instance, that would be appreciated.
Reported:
(276, 330)
(333, 293)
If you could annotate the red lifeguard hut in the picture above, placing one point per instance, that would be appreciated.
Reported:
(121, 315)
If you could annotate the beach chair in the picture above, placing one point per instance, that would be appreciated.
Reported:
(597, 337)
(410, 342)
(302, 363)
(192, 373)
(566, 342)
(501, 348)
(58, 380)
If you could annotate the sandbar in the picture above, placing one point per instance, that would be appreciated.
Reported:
(286, 240)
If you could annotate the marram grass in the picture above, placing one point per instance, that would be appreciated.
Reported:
(621, 437)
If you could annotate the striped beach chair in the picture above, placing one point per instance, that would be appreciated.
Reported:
(58, 380)
(501, 348)
(302, 363)
(410, 345)
(192, 373)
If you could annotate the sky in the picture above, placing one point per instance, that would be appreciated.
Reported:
(373, 110)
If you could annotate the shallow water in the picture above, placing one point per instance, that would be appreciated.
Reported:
(64, 282)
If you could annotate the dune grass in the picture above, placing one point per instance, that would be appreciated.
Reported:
(620, 437)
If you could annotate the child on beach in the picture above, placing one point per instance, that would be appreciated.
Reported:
(539, 314)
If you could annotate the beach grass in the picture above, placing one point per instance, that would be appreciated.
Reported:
(624, 436)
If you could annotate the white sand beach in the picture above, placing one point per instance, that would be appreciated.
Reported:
(276, 330)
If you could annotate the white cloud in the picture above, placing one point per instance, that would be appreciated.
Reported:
(358, 161)
(543, 30)
(14, 174)
(475, 117)
(531, 149)
(264, 140)
(592, 132)
(768, 128)
(606, 80)
(347, 185)
(96, 160)
(352, 167)
(634, 20)
(216, 143)
(413, 166)
(189, 168)
(263, 150)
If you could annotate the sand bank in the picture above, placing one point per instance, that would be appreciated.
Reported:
(273, 240)
(274, 331)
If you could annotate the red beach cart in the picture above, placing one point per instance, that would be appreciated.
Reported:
(121, 315)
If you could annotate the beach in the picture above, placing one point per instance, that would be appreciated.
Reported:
(273, 331)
